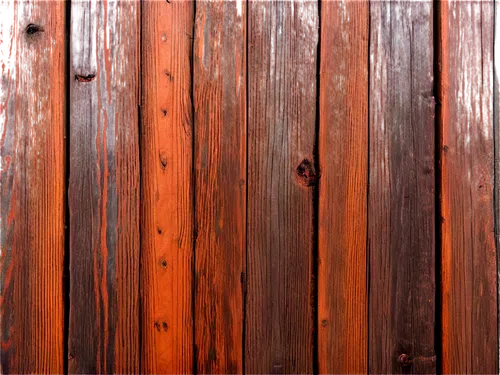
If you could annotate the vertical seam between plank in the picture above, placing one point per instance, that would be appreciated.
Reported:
(315, 202)
(66, 255)
(438, 187)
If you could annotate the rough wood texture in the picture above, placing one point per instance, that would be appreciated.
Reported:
(401, 202)
(220, 154)
(167, 190)
(496, 127)
(32, 123)
(343, 156)
(282, 53)
(469, 303)
(104, 187)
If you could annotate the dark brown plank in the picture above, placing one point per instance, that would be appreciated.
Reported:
(220, 157)
(401, 201)
(343, 156)
(104, 187)
(32, 184)
(469, 303)
(167, 189)
(282, 58)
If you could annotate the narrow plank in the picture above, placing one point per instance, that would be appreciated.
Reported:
(469, 302)
(104, 187)
(167, 203)
(32, 185)
(401, 200)
(496, 127)
(343, 156)
(282, 58)
(220, 159)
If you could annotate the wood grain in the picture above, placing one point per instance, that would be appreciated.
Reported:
(401, 200)
(282, 58)
(104, 187)
(469, 290)
(220, 159)
(343, 156)
(32, 164)
(167, 188)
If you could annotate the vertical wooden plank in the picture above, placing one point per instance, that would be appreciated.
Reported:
(282, 58)
(104, 187)
(32, 164)
(401, 201)
(469, 303)
(167, 203)
(220, 154)
(496, 130)
(343, 157)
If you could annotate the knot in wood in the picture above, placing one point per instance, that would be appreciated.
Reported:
(306, 173)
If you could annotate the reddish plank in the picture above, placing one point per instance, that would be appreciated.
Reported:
(167, 189)
(32, 164)
(401, 200)
(220, 157)
(343, 156)
(104, 187)
(469, 291)
(282, 58)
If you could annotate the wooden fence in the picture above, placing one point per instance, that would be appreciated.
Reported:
(249, 186)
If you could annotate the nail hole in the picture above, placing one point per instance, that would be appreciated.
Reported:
(404, 360)
(163, 263)
(165, 326)
(33, 29)
(164, 112)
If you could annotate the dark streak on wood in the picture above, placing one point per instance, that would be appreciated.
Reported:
(104, 188)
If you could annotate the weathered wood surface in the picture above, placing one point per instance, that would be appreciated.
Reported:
(220, 159)
(466, 147)
(104, 187)
(167, 189)
(343, 157)
(282, 59)
(401, 200)
(32, 163)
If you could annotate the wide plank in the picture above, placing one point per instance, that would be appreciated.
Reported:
(32, 186)
(342, 217)
(104, 187)
(167, 188)
(282, 174)
(401, 199)
(466, 148)
(220, 162)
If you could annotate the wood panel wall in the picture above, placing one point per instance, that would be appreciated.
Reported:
(303, 186)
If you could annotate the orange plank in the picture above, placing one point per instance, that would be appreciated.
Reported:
(343, 156)
(167, 189)
(466, 148)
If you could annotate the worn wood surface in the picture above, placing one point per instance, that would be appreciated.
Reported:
(32, 163)
(496, 129)
(282, 58)
(343, 157)
(104, 188)
(220, 159)
(167, 189)
(401, 200)
(469, 302)
(214, 203)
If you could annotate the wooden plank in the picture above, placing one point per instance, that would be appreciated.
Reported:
(401, 200)
(282, 58)
(496, 114)
(343, 157)
(32, 184)
(104, 187)
(469, 291)
(167, 203)
(220, 159)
